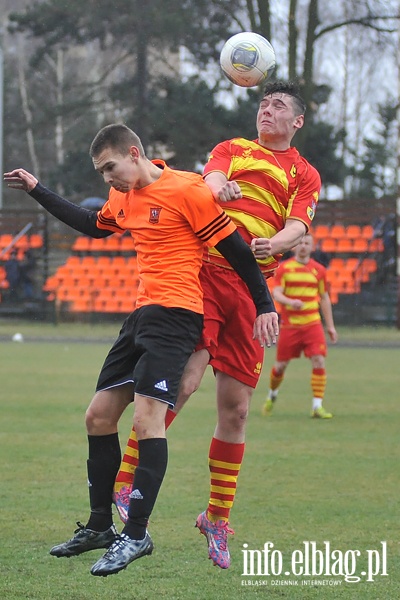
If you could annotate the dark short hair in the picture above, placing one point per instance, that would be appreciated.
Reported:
(286, 87)
(116, 136)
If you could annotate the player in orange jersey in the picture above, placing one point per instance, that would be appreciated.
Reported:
(271, 193)
(172, 216)
(301, 291)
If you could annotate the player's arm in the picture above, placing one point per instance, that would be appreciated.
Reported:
(281, 242)
(79, 218)
(327, 314)
(241, 258)
(279, 296)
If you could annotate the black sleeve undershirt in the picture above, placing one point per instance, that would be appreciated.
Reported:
(79, 218)
(241, 258)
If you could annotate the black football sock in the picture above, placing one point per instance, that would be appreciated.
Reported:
(102, 467)
(149, 475)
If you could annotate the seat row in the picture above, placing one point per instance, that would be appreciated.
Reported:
(336, 231)
(114, 243)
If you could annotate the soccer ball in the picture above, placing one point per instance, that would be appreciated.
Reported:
(247, 59)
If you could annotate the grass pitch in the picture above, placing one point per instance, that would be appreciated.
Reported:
(302, 480)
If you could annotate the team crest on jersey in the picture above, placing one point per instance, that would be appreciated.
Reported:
(248, 153)
(311, 210)
(293, 171)
(155, 214)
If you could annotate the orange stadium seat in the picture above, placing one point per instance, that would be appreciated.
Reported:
(112, 243)
(367, 231)
(375, 245)
(82, 244)
(353, 231)
(126, 243)
(81, 305)
(360, 245)
(328, 245)
(337, 231)
(35, 240)
(344, 245)
(321, 231)
(337, 264)
(98, 245)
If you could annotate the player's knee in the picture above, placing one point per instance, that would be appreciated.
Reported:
(98, 423)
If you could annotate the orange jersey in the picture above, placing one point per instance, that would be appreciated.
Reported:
(276, 185)
(301, 282)
(170, 220)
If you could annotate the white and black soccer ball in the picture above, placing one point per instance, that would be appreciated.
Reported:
(247, 59)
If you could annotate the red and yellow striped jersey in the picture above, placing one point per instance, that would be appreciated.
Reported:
(275, 185)
(170, 220)
(302, 282)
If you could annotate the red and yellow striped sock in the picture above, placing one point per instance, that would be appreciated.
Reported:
(275, 379)
(130, 458)
(224, 461)
(318, 383)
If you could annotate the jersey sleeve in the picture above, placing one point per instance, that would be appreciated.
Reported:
(210, 223)
(304, 202)
(220, 159)
(106, 219)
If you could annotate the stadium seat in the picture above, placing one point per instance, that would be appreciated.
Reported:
(127, 244)
(344, 245)
(321, 232)
(35, 240)
(360, 245)
(98, 245)
(375, 245)
(112, 243)
(81, 305)
(353, 231)
(328, 245)
(337, 263)
(82, 244)
(337, 231)
(367, 231)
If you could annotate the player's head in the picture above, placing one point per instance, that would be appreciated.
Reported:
(118, 137)
(289, 88)
(280, 114)
(117, 154)
(303, 250)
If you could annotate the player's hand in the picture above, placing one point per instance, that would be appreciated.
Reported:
(296, 304)
(229, 191)
(261, 247)
(20, 179)
(332, 334)
(266, 329)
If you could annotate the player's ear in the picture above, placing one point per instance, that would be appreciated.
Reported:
(134, 152)
(298, 122)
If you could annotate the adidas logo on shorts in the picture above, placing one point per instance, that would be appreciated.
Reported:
(162, 385)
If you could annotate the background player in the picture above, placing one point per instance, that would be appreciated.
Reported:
(301, 291)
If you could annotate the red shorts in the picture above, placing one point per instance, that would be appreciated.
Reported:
(309, 339)
(229, 315)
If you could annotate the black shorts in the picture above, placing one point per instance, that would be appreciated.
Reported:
(151, 351)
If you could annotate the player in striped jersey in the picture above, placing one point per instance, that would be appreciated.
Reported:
(172, 216)
(270, 192)
(301, 291)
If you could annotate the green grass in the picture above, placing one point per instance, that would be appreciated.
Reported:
(302, 480)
